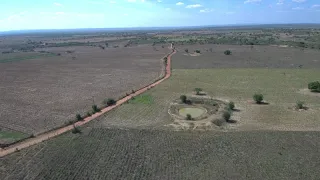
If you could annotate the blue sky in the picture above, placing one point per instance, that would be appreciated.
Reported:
(67, 14)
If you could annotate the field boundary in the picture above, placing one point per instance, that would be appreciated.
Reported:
(53, 133)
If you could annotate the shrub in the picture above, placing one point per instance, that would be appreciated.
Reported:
(227, 52)
(197, 90)
(95, 108)
(314, 86)
(88, 114)
(226, 115)
(299, 105)
(186, 50)
(183, 98)
(231, 105)
(188, 117)
(109, 102)
(198, 51)
(75, 130)
(132, 91)
(258, 98)
(79, 118)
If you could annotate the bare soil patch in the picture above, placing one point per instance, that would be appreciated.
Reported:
(40, 94)
(307, 91)
(246, 57)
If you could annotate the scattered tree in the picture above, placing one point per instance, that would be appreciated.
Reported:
(109, 102)
(183, 98)
(76, 130)
(227, 52)
(198, 51)
(300, 105)
(95, 108)
(314, 86)
(79, 118)
(226, 115)
(188, 117)
(231, 105)
(107, 44)
(258, 98)
(186, 50)
(197, 90)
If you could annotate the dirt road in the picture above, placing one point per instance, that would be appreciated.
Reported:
(54, 133)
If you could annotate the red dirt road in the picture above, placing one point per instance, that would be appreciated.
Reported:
(54, 133)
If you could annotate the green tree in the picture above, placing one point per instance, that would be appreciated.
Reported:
(78, 117)
(226, 115)
(231, 105)
(183, 98)
(197, 90)
(109, 102)
(95, 108)
(227, 52)
(299, 105)
(258, 98)
(188, 117)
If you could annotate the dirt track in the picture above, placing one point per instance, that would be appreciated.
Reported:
(51, 134)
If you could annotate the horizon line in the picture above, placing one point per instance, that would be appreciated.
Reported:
(155, 27)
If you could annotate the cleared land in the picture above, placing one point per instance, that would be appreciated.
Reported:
(42, 93)
(100, 153)
(245, 57)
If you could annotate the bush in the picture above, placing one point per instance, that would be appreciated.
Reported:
(231, 105)
(198, 51)
(197, 90)
(183, 98)
(258, 98)
(314, 86)
(75, 130)
(300, 105)
(186, 50)
(227, 52)
(188, 117)
(88, 114)
(226, 115)
(109, 102)
(79, 118)
(95, 108)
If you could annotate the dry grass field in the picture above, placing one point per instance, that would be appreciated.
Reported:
(40, 93)
(245, 57)
(139, 139)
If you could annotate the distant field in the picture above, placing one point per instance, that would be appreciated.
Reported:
(245, 57)
(15, 57)
(42, 93)
(238, 85)
(100, 153)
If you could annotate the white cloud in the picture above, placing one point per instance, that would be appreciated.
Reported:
(299, 1)
(168, 9)
(280, 2)
(179, 3)
(252, 1)
(194, 6)
(206, 10)
(159, 1)
(316, 6)
(57, 4)
(297, 8)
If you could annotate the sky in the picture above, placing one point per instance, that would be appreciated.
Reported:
(70, 14)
